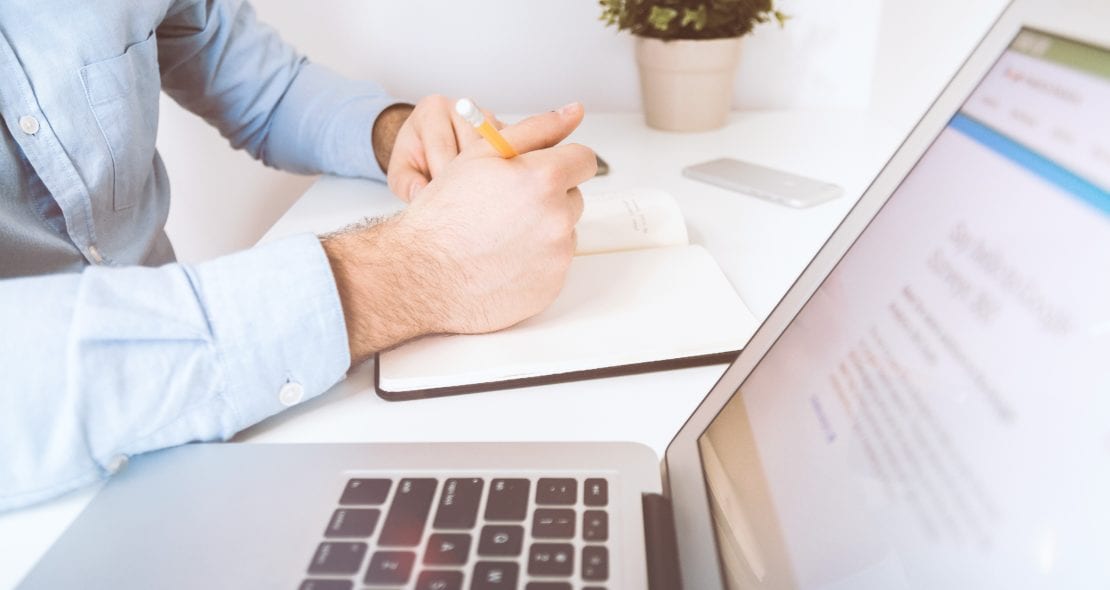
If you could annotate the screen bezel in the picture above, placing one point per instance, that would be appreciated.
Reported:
(682, 468)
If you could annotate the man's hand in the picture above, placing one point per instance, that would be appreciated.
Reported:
(430, 138)
(484, 245)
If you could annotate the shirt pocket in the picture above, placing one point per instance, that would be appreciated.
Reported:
(123, 94)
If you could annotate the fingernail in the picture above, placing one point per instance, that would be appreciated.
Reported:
(569, 108)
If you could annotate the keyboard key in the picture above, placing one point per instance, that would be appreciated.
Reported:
(458, 505)
(370, 492)
(547, 586)
(596, 492)
(595, 563)
(508, 499)
(404, 525)
(548, 523)
(337, 558)
(551, 559)
(556, 492)
(436, 580)
(494, 575)
(390, 567)
(595, 525)
(507, 540)
(447, 549)
(326, 585)
(352, 522)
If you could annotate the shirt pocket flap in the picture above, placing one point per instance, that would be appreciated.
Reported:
(123, 94)
(108, 80)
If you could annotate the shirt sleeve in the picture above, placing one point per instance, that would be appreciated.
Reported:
(218, 61)
(111, 362)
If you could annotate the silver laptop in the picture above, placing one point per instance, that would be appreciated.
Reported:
(928, 407)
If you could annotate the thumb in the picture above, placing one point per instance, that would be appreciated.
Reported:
(545, 129)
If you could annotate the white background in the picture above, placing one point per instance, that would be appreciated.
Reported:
(520, 57)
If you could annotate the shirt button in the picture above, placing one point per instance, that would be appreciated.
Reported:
(29, 124)
(291, 394)
(94, 255)
(117, 464)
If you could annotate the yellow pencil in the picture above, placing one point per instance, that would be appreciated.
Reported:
(470, 112)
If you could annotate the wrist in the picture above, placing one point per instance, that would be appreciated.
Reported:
(378, 274)
(383, 134)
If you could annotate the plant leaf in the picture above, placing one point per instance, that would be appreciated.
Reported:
(661, 18)
(698, 17)
(690, 19)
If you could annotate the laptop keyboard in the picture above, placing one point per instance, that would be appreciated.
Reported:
(547, 533)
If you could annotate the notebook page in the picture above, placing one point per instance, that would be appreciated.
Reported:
(616, 309)
(629, 220)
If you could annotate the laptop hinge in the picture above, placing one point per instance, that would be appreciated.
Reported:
(661, 544)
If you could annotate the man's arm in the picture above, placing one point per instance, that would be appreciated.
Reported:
(111, 362)
(218, 61)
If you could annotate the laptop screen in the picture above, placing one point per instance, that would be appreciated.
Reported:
(938, 414)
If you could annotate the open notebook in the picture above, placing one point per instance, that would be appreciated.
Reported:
(638, 297)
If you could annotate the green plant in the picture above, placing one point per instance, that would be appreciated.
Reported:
(689, 19)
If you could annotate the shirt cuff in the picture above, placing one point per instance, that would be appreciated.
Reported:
(278, 325)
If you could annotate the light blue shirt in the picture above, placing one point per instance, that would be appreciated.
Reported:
(107, 347)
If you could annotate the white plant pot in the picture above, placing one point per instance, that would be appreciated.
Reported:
(687, 85)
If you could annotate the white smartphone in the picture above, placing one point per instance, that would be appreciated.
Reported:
(765, 183)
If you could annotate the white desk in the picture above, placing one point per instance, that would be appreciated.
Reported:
(761, 247)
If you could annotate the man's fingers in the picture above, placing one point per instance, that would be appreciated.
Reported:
(440, 144)
(577, 204)
(570, 165)
(544, 130)
(464, 132)
(405, 178)
(415, 187)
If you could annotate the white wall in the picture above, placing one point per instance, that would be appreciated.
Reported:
(519, 57)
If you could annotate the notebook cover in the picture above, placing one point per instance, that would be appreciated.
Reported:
(719, 358)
